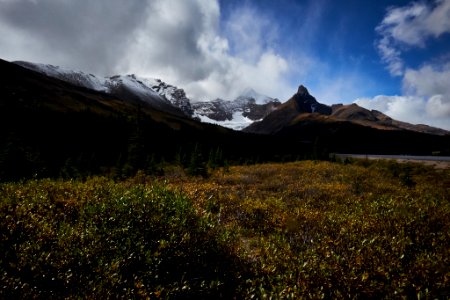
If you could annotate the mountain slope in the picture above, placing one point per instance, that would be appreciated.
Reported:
(48, 126)
(376, 119)
(304, 107)
(301, 102)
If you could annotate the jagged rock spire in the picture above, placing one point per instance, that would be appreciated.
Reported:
(306, 103)
(303, 91)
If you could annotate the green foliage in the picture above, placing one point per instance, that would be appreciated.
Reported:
(100, 239)
(197, 164)
(153, 166)
(216, 159)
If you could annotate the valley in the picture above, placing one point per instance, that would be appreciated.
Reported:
(120, 191)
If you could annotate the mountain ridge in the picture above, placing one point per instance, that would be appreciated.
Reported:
(129, 86)
(235, 114)
(251, 111)
(301, 103)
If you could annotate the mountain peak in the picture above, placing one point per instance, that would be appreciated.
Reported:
(302, 91)
(259, 98)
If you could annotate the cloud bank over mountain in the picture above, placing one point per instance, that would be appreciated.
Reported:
(341, 50)
(426, 97)
(181, 41)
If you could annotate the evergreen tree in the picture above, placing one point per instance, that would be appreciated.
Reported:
(136, 152)
(19, 161)
(153, 167)
(215, 159)
(197, 165)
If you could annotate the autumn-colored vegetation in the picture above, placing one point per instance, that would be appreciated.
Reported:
(306, 229)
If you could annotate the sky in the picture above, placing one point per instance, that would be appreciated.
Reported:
(388, 55)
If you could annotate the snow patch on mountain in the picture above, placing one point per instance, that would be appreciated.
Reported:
(236, 114)
(173, 94)
(237, 121)
(132, 83)
(77, 78)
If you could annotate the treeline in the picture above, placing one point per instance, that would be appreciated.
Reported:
(81, 144)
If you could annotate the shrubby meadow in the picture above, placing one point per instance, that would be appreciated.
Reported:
(307, 229)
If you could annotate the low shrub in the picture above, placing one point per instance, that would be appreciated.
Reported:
(101, 239)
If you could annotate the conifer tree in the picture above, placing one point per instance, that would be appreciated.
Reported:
(197, 165)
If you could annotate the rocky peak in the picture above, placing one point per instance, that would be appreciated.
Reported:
(303, 91)
(307, 103)
(304, 96)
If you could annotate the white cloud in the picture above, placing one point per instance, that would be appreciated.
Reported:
(179, 41)
(411, 109)
(249, 36)
(410, 26)
(428, 80)
(426, 89)
(390, 56)
(206, 64)
(439, 106)
(89, 35)
(404, 108)
(241, 59)
(431, 82)
(426, 99)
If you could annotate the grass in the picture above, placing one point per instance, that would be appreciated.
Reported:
(282, 231)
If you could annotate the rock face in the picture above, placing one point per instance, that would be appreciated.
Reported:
(175, 95)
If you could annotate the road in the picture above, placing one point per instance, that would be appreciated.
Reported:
(440, 162)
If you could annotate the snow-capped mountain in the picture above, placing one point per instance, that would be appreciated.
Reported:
(237, 114)
(152, 91)
(78, 78)
(175, 95)
(250, 93)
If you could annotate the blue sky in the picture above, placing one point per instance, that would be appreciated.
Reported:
(339, 39)
(389, 55)
(336, 37)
